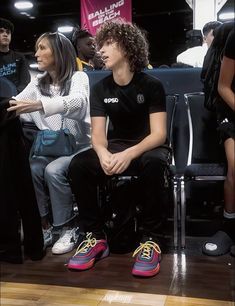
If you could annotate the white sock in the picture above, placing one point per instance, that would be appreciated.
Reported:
(229, 215)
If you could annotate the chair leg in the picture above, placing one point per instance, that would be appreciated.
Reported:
(175, 199)
(183, 210)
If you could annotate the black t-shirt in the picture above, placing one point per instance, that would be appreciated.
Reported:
(230, 46)
(223, 110)
(229, 51)
(128, 107)
(14, 67)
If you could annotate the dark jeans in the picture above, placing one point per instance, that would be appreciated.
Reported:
(17, 197)
(86, 174)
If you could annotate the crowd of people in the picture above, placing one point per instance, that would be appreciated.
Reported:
(134, 102)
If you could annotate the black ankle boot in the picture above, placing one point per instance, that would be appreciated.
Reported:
(11, 255)
(229, 227)
(35, 254)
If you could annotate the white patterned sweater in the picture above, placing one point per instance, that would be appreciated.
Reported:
(74, 108)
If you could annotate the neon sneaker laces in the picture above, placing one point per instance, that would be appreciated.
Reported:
(148, 260)
(88, 252)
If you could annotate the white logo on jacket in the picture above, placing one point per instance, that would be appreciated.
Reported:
(140, 98)
(111, 100)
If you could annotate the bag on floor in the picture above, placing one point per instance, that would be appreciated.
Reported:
(121, 217)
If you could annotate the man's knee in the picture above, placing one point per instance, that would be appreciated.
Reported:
(156, 158)
(156, 164)
(74, 166)
(79, 162)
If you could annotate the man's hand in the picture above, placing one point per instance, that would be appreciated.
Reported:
(120, 162)
(22, 107)
(105, 160)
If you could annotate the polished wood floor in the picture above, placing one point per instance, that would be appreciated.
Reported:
(184, 279)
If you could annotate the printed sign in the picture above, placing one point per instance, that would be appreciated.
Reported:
(94, 13)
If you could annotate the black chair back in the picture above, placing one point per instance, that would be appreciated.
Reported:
(204, 146)
(7, 88)
(206, 161)
(171, 103)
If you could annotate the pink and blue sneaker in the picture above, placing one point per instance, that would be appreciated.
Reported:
(147, 262)
(89, 251)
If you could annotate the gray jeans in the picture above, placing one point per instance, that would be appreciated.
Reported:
(52, 187)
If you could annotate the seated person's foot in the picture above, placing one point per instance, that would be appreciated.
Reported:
(148, 256)
(47, 236)
(35, 254)
(91, 249)
(34, 249)
(67, 241)
(219, 244)
(11, 255)
(232, 250)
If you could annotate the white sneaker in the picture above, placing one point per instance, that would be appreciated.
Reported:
(47, 236)
(67, 241)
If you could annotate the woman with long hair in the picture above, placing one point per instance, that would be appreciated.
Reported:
(58, 97)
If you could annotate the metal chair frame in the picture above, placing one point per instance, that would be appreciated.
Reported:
(184, 179)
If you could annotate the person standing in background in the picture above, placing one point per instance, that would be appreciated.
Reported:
(198, 45)
(208, 32)
(84, 44)
(13, 65)
(224, 240)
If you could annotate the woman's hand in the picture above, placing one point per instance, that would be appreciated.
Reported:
(21, 107)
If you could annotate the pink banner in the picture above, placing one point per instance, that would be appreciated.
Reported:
(94, 13)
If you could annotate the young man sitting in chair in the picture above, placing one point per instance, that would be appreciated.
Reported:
(135, 104)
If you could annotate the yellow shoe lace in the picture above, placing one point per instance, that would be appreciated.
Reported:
(146, 249)
(86, 244)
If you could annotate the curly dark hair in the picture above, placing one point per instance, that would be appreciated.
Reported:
(78, 34)
(6, 24)
(210, 26)
(130, 38)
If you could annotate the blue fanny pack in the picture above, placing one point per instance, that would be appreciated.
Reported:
(54, 143)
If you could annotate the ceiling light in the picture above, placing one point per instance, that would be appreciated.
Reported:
(65, 29)
(23, 5)
(24, 13)
(226, 16)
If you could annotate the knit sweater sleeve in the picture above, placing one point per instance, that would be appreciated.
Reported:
(75, 104)
(29, 93)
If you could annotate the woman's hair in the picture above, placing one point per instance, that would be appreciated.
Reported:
(130, 38)
(65, 63)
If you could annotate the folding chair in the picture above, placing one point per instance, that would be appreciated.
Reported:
(7, 88)
(205, 156)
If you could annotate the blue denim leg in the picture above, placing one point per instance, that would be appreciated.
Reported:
(61, 198)
(38, 165)
(60, 192)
